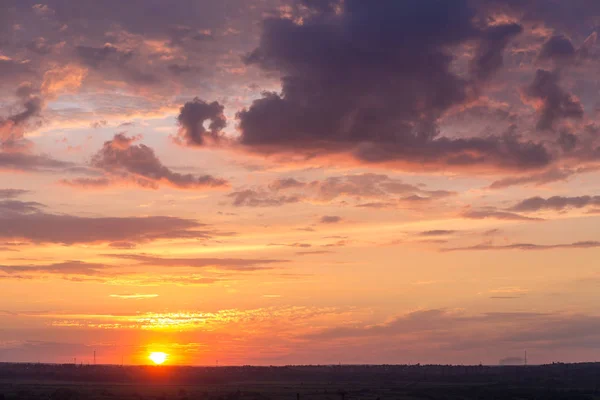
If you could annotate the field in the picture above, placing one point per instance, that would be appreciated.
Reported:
(70, 382)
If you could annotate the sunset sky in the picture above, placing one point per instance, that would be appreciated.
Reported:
(289, 182)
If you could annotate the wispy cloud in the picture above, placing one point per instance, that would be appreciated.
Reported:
(134, 296)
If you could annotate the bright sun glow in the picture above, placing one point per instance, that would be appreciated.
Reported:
(158, 357)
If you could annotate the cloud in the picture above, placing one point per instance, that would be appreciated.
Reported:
(112, 60)
(257, 198)
(12, 193)
(354, 188)
(558, 48)
(19, 207)
(366, 185)
(527, 246)
(96, 56)
(122, 160)
(60, 80)
(26, 221)
(231, 264)
(15, 161)
(557, 203)
(123, 245)
(192, 117)
(551, 101)
(495, 214)
(12, 128)
(32, 102)
(313, 252)
(417, 321)
(63, 268)
(458, 331)
(438, 232)
(87, 183)
(134, 296)
(286, 183)
(550, 176)
(330, 219)
(303, 245)
(135, 274)
(557, 15)
(489, 57)
(379, 99)
(12, 67)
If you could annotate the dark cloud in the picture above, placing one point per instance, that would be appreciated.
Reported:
(527, 246)
(557, 203)
(495, 214)
(302, 245)
(25, 90)
(460, 331)
(369, 185)
(12, 193)
(113, 60)
(350, 187)
(287, 183)
(322, 6)
(439, 232)
(330, 219)
(378, 205)
(63, 268)
(40, 46)
(256, 198)
(99, 124)
(339, 243)
(550, 176)
(490, 54)
(507, 152)
(16, 206)
(97, 56)
(123, 245)
(178, 69)
(412, 322)
(575, 17)
(557, 48)
(14, 69)
(121, 159)
(567, 141)
(234, 264)
(554, 103)
(553, 175)
(137, 16)
(87, 183)
(26, 221)
(378, 97)
(13, 127)
(360, 186)
(192, 117)
(313, 252)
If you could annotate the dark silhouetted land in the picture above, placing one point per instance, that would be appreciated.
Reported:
(344, 382)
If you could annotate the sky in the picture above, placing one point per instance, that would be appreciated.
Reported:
(281, 182)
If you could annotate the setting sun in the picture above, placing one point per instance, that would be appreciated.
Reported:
(158, 357)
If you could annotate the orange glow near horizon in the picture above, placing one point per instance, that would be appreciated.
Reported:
(158, 357)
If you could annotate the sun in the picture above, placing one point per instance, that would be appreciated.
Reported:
(158, 357)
